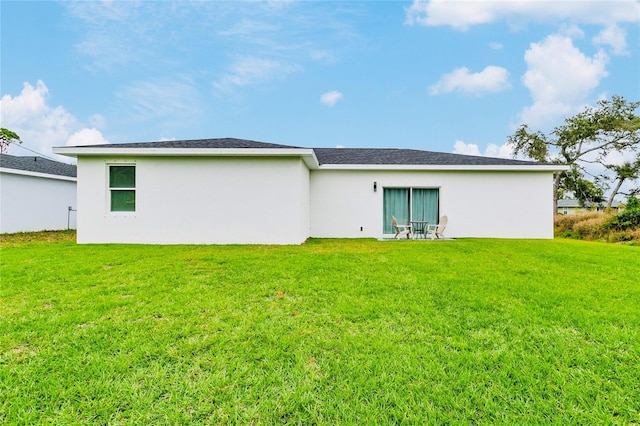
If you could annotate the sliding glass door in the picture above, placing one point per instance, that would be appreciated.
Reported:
(424, 204)
(396, 203)
(408, 204)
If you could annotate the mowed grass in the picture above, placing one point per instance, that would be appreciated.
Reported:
(329, 332)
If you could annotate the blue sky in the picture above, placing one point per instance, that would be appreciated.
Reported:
(449, 76)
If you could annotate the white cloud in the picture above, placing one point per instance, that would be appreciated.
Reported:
(571, 31)
(41, 126)
(248, 27)
(167, 98)
(331, 98)
(499, 151)
(614, 37)
(462, 15)
(276, 38)
(466, 148)
(494, 45)
(279, 4)
(111, 28)
(251, 70)
(559, 78)
(490, 80)
(492, 150)
(87, 137)
(97, 120)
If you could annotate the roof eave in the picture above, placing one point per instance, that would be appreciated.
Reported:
(449, 167)
(37, 174)
(307, 154)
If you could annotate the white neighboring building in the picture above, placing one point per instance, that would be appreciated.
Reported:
(569, 206)
(35, 194)
(234, 191)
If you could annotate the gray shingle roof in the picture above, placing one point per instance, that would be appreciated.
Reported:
(393, 156)
(198, 143)
(38, 165)
(345, 156)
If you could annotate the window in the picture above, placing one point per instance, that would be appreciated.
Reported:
(408, 204)
(122, 188)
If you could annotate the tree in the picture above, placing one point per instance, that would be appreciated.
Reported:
(586, 138)
(6, 137)
(625, 172)
(585, 191)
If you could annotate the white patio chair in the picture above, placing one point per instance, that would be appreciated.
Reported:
(400, 229)
(437, 230)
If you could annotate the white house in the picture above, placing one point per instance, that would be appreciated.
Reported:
(232, 191)
(36, 194)
(570, 206)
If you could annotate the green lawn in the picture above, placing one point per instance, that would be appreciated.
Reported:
(330, 332)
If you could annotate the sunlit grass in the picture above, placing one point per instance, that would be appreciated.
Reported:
(330, 332)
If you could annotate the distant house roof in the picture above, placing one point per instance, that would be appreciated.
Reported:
(324, 156)
(37, 165)
(570, 203)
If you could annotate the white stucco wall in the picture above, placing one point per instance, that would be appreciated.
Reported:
(277, 200)
(479, 204)
(35, 203)
(198, 200)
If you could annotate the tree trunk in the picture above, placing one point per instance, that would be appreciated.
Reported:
(556, 186)
(614, 193)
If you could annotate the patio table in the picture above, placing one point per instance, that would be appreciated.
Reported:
(418, 227)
